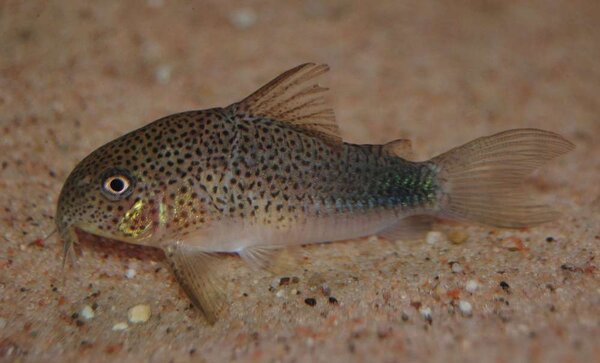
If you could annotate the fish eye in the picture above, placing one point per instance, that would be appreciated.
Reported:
(116, 184)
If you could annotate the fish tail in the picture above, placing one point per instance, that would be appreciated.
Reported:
(480, 181)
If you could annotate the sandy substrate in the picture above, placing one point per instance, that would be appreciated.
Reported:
(74, 76)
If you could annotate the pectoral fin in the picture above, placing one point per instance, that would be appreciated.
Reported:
(196, 272)
(272, 259)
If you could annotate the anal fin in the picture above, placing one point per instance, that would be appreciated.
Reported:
(196, 272)
(409, 228)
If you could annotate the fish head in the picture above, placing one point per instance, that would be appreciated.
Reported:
(109, 194)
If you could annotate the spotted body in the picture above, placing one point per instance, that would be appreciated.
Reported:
(271, 171)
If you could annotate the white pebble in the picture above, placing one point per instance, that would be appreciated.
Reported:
(465, 308)
(163, 74)
(456, 267)
(275, 282)
(280, 293)
(130, 273)
(243, 18)
(434, 237)
(426, 313)
(310, 342)
(472, 285)
(120, 326)
(87, 312)
(139, 313)
(294, 292)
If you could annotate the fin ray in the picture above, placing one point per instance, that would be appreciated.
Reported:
(196, 273)
(481, 180)
(273, 259)
(293, 98)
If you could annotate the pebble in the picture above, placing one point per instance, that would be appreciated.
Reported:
(310, 301)
(87, 312)
(426, 314)
(457, 237)
(456, 267)
(163, 74)
(465, 308)
(243, 18)
(120, 326)
(280, 293)
(434, 237)
(472, 285)
(275, 282)
(130, 273)
(139, 313)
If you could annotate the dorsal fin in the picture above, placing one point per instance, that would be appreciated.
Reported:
(401, 148)
(294, 97)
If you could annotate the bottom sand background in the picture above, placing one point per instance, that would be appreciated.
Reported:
(73, 76)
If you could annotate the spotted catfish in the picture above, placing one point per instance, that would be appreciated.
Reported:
(271, 171)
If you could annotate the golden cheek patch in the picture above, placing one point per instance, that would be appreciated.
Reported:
(137, 221)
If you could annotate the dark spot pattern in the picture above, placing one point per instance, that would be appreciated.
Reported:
(198, 168)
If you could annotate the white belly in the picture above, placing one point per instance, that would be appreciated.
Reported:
(235, 236)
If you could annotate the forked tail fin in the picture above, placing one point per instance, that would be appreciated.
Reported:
(481, 180)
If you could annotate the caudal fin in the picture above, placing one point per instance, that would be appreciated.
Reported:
(481, 180)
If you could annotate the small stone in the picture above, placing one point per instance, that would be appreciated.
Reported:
(456, 267)
(87, 312)
(457, 237)
(472, 285)
(404, 316)
(325, 290)
(163, 74)
(310, 342)
(310, 301)
(434, 237)
(426, 314)
(294, 292)
(333, 300)
(275, 282)
(139, 313)
(465, 308)
(243, 18)
(120, 326)
(504, 285)
(280, 294)
(284, 281)
(130, 273)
